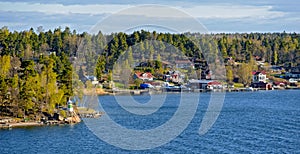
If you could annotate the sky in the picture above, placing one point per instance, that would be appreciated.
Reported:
(215, 16)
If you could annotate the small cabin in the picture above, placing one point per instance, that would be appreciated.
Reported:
(259, 76)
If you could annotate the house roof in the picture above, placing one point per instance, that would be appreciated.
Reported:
(278, 83)
(166, 63)
(199, 81)
(258, 72)
(183, 62)
(209, 82)
(295, 70)
(144, 75)
(214, 83)
(92, 78)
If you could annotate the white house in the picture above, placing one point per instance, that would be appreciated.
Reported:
(143, 76)
(177, 77)
(93, 79)
(258, 77)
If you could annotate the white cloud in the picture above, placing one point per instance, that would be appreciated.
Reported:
(199, 11)
(233, 11)
(60, 8)
(215, 16)
(12, 24)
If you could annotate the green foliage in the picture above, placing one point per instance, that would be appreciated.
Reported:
(100, 67)
(64, 75)
(28, 69)
(119, 85)
(238, 85)
(229, 74)
(5, 65)
(109, 76)
(63, 113)
(137, 82)
(27, 93)
(244, 73)
(88, 84)
(3, 90)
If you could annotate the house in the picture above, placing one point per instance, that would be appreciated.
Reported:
(280, 84)
(143, 76)
(295, 75)
(295, 69)
(204, 84)
(200, 64)
(214, 85)
(183, 64)
(262, 85)
(167, 78)
(93, 79)
(259, 76)
(276, 69)
(258, 58)
(166, 64)
(174, 76)
(141, 64)
(198, 84)
(177, 77)
(259, 80)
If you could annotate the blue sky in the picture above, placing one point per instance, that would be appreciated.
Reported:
(215, 15)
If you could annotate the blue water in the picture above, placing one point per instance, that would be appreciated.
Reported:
(250, 122)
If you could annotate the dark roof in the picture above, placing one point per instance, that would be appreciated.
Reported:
(258, 72)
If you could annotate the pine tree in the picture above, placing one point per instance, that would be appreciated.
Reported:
(100, 67)
(5, 65)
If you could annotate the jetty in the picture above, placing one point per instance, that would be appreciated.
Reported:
(128, 91)
(84, 112)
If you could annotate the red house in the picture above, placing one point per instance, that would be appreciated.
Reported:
(143, 76)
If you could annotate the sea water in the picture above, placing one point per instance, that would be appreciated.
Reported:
(249, 122)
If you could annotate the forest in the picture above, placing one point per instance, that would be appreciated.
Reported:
(40, 70)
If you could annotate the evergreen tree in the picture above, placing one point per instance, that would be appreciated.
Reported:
(100, 67)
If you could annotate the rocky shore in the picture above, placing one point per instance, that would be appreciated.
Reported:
(8, 122)
(20, 124)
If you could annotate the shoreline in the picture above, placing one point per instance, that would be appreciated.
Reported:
(31, 124)
(10, 122)
(21, 124)
(153, 91)
(9, 125)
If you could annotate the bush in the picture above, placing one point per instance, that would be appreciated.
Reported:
(63, 113)
(238, 85)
